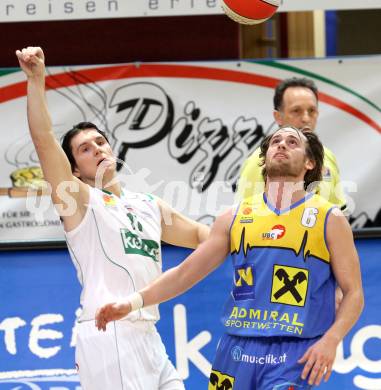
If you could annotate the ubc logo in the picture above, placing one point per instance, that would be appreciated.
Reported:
(244, 282)
(220, 381)
(276, 232)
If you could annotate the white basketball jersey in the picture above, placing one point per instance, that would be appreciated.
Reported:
(116, 250)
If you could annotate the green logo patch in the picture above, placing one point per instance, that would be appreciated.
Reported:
(133, 244)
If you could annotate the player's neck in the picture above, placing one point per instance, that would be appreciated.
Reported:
(115, 188)
(112, 185)
(283, 192)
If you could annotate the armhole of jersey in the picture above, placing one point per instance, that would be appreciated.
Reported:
(158, 210)
(325, 227)
(235, 216)
(78, 228)
(156, 203)
(79, 269)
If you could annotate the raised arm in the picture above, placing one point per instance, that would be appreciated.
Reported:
(54, 163)
(179, 230)
(320, 356)
(208, 256)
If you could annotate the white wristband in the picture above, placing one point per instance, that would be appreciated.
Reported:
(136, 301)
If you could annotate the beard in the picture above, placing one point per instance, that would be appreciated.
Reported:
(283, 169)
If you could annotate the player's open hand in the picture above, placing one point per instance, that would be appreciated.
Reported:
(32, 61)
(111, 312)
(318, 360)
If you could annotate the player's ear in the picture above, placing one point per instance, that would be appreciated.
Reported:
(309, 164)
(278, 117)
(76, 172)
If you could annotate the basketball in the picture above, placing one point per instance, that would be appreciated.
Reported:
(250, 11)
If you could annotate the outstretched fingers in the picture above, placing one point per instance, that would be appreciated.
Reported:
(102, 317)
(328, 371)
(316, 366)
(317, 372)
(308, 363)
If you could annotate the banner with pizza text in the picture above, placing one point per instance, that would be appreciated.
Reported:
(182, 131)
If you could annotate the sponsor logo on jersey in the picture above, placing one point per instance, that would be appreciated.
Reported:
(246, 220)
(246, 216)
(289, 285)
(276, 232)
(263, 320)
(148, 198)
(326, 174)
(247, 211)
(238, 355)
(109, 200)
(220, 381)
(133, 244)
(244, 282)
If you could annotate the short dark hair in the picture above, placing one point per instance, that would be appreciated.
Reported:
(289, 83)
(314, 152)
(66, 140)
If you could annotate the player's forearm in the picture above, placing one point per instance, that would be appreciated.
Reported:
(203, 232)
(347, 314)
(179, 279)
(39, 120)
(170, 284)
(167, 286)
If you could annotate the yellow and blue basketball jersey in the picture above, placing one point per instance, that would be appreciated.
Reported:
(283, 284)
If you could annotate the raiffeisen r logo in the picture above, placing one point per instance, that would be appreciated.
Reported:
(220, 381)
(362, 358)
(289, 285)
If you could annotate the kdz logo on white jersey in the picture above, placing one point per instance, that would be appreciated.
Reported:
(133, 244)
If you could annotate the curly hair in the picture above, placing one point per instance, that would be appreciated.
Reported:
(314, 152)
